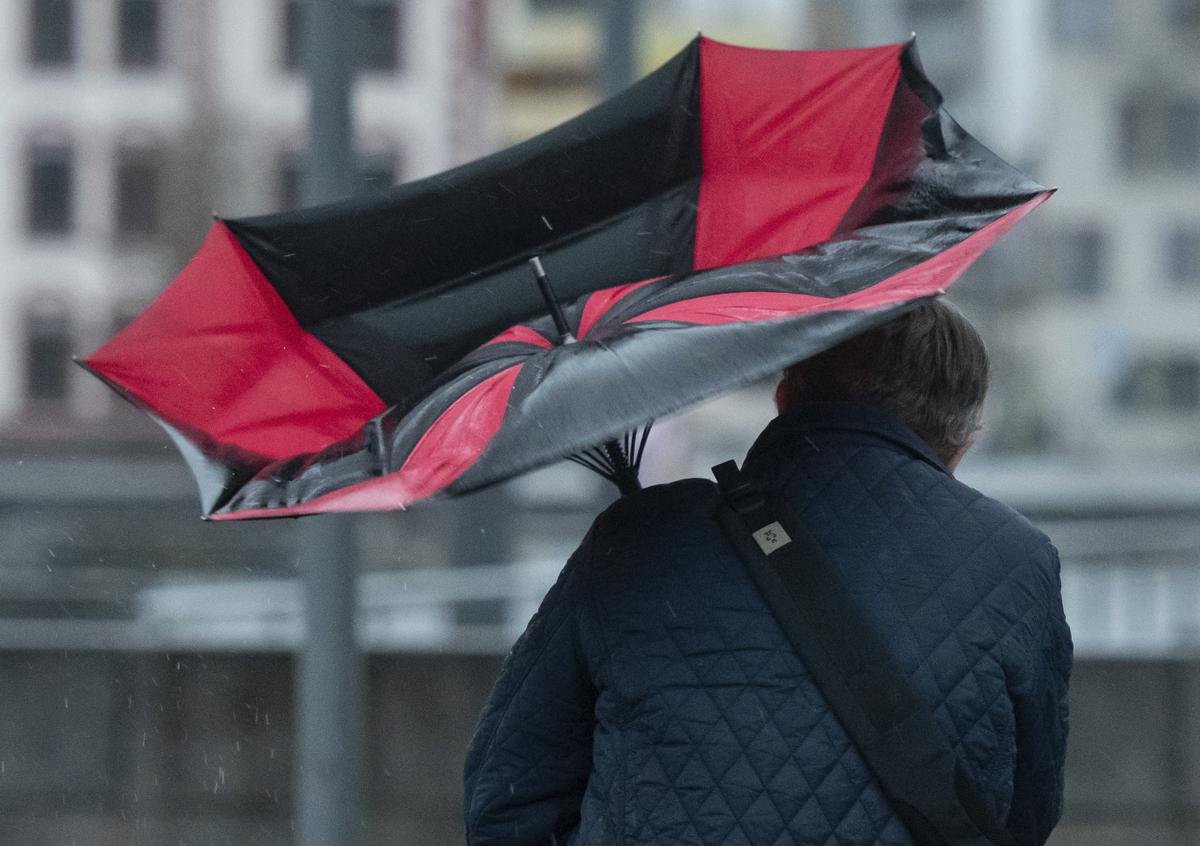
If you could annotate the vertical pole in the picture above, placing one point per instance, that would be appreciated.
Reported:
(876, 21)
(328, 50)
(1014, 54)
(330, 673)
(618, 64)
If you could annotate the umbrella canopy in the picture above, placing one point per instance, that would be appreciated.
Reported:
(733, 212)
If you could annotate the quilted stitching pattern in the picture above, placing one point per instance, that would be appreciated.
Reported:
(707, 727)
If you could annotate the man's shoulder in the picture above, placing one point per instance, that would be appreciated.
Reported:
(844, 470)
(918, 499)
(658, 520)
(1008, 530)
(684, 499)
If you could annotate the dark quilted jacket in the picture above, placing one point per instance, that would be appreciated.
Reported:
(653, 699)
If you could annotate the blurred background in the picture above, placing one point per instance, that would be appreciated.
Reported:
(148, 659)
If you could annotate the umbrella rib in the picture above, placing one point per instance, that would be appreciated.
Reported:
(600, 458)
(582, 462)
(645, 436)
(576, 460)
(591, 462)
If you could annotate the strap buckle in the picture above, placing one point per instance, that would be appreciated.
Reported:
(740, 493)
(749, 502)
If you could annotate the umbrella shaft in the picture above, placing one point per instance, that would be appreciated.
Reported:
(560, 320)
(624, 474)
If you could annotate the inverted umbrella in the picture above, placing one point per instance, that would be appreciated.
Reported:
(733, 212)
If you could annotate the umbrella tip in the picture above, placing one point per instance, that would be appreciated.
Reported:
(536, 262)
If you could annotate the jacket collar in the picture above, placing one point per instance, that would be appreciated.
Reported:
(822, 419)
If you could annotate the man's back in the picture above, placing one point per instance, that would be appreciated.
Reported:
(690, 717)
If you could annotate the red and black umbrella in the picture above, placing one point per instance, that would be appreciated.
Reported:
(733, 212)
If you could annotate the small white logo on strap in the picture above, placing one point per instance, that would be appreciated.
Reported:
(771, 537)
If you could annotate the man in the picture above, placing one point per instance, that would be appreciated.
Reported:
(654, 699)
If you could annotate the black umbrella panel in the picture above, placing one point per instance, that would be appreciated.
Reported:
(733, 212)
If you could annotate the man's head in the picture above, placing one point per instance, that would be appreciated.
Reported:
(928, 367)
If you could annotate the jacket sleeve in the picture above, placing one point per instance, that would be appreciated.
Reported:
(529, 761)
(1039, 695)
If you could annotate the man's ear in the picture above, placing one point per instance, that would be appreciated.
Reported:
(952, 463)
(783, 392)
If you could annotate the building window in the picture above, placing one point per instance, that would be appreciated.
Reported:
(51, 33)
(376, 25)
(47, 351)
(1182, 132)
(138, 189)
(1133, 125)
(934, 8)
(558, 5)
(476, 40)
(50, 190)
(1160, 131)
(292, 35)
(138, 28)
(1183, 14)
(1160, 383)
(1183, 256)
(378, 35)
(1084, 23)
(289, 183)
(1079, 259)
(947, 22)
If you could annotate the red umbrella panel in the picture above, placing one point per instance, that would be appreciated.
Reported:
(733, 212)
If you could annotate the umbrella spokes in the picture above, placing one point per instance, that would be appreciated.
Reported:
(618, 460)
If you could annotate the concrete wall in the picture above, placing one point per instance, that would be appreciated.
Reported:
(151, 749)
(109, 748)
(1133, 759)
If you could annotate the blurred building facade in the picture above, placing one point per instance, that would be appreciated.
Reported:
(1097, 359)
(150, 654)
(126, 123)
(1098, 301)
(1089, 310)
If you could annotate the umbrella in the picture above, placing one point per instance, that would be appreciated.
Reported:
(733, 212)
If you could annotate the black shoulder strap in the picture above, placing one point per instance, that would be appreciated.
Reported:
(892, 727)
